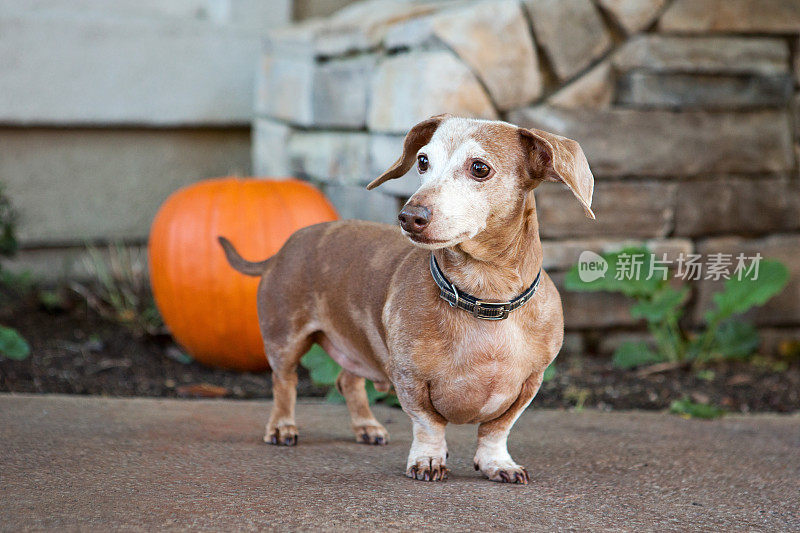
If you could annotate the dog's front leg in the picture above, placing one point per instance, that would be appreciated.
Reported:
(428, 454)
(492, 457)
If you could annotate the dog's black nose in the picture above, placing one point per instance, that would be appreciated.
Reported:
(414, 218)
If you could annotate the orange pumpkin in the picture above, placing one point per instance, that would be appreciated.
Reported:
(209, 307)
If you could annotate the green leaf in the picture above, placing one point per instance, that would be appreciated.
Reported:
(334, 396)
(620, 265)
(739, 295)
(549, 373)
(706, 375)
(321, 367)
(633, 354)
(665, 304)
(392, 401)
(373, 395)
(736, 340)
(690, 409)
(12, 345)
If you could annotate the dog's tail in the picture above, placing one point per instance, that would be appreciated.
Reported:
(240, 264)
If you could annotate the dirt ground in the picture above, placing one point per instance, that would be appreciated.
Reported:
(78, 352)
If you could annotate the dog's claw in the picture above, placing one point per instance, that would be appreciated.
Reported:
(372, 434)
(520, 477)
(440, 474)
(282, 435)
(428, 469)
(507, 473)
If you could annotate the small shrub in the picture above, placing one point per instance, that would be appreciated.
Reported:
(121, 292)
(662, 305)
(12, 344)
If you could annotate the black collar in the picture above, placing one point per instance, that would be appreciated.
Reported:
(479, 309)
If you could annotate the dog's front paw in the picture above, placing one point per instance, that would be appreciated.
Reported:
(504, 471)
(284, 435)
(427, 469)
(371, 434)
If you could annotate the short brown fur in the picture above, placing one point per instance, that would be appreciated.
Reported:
(365, 294)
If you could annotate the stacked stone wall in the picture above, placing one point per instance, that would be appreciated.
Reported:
(686, 109)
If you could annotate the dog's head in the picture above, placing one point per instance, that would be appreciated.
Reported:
(476, 174)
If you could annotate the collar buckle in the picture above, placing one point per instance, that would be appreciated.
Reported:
(504, 309)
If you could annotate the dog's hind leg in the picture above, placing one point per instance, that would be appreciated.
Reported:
(281, 428)
(367, 429)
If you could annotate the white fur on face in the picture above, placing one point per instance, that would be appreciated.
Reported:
(460, 205)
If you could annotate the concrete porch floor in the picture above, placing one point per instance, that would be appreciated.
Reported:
(83, 463)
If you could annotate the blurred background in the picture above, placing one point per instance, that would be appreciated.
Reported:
(686, 109)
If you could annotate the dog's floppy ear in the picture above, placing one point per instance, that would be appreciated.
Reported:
(416, 138)
(555, 158)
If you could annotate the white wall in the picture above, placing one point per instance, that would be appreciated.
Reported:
(107, 106)
(117, 62)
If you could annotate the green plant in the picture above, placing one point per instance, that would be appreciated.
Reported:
(8, 223)
(578, 395)
(12, 344)
(549, 373)
(661, 305)
(706, 374)
(324, 370)
(121, 292)
(689, 409)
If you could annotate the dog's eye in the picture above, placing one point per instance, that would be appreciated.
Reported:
(479, 169)
(422, 162)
